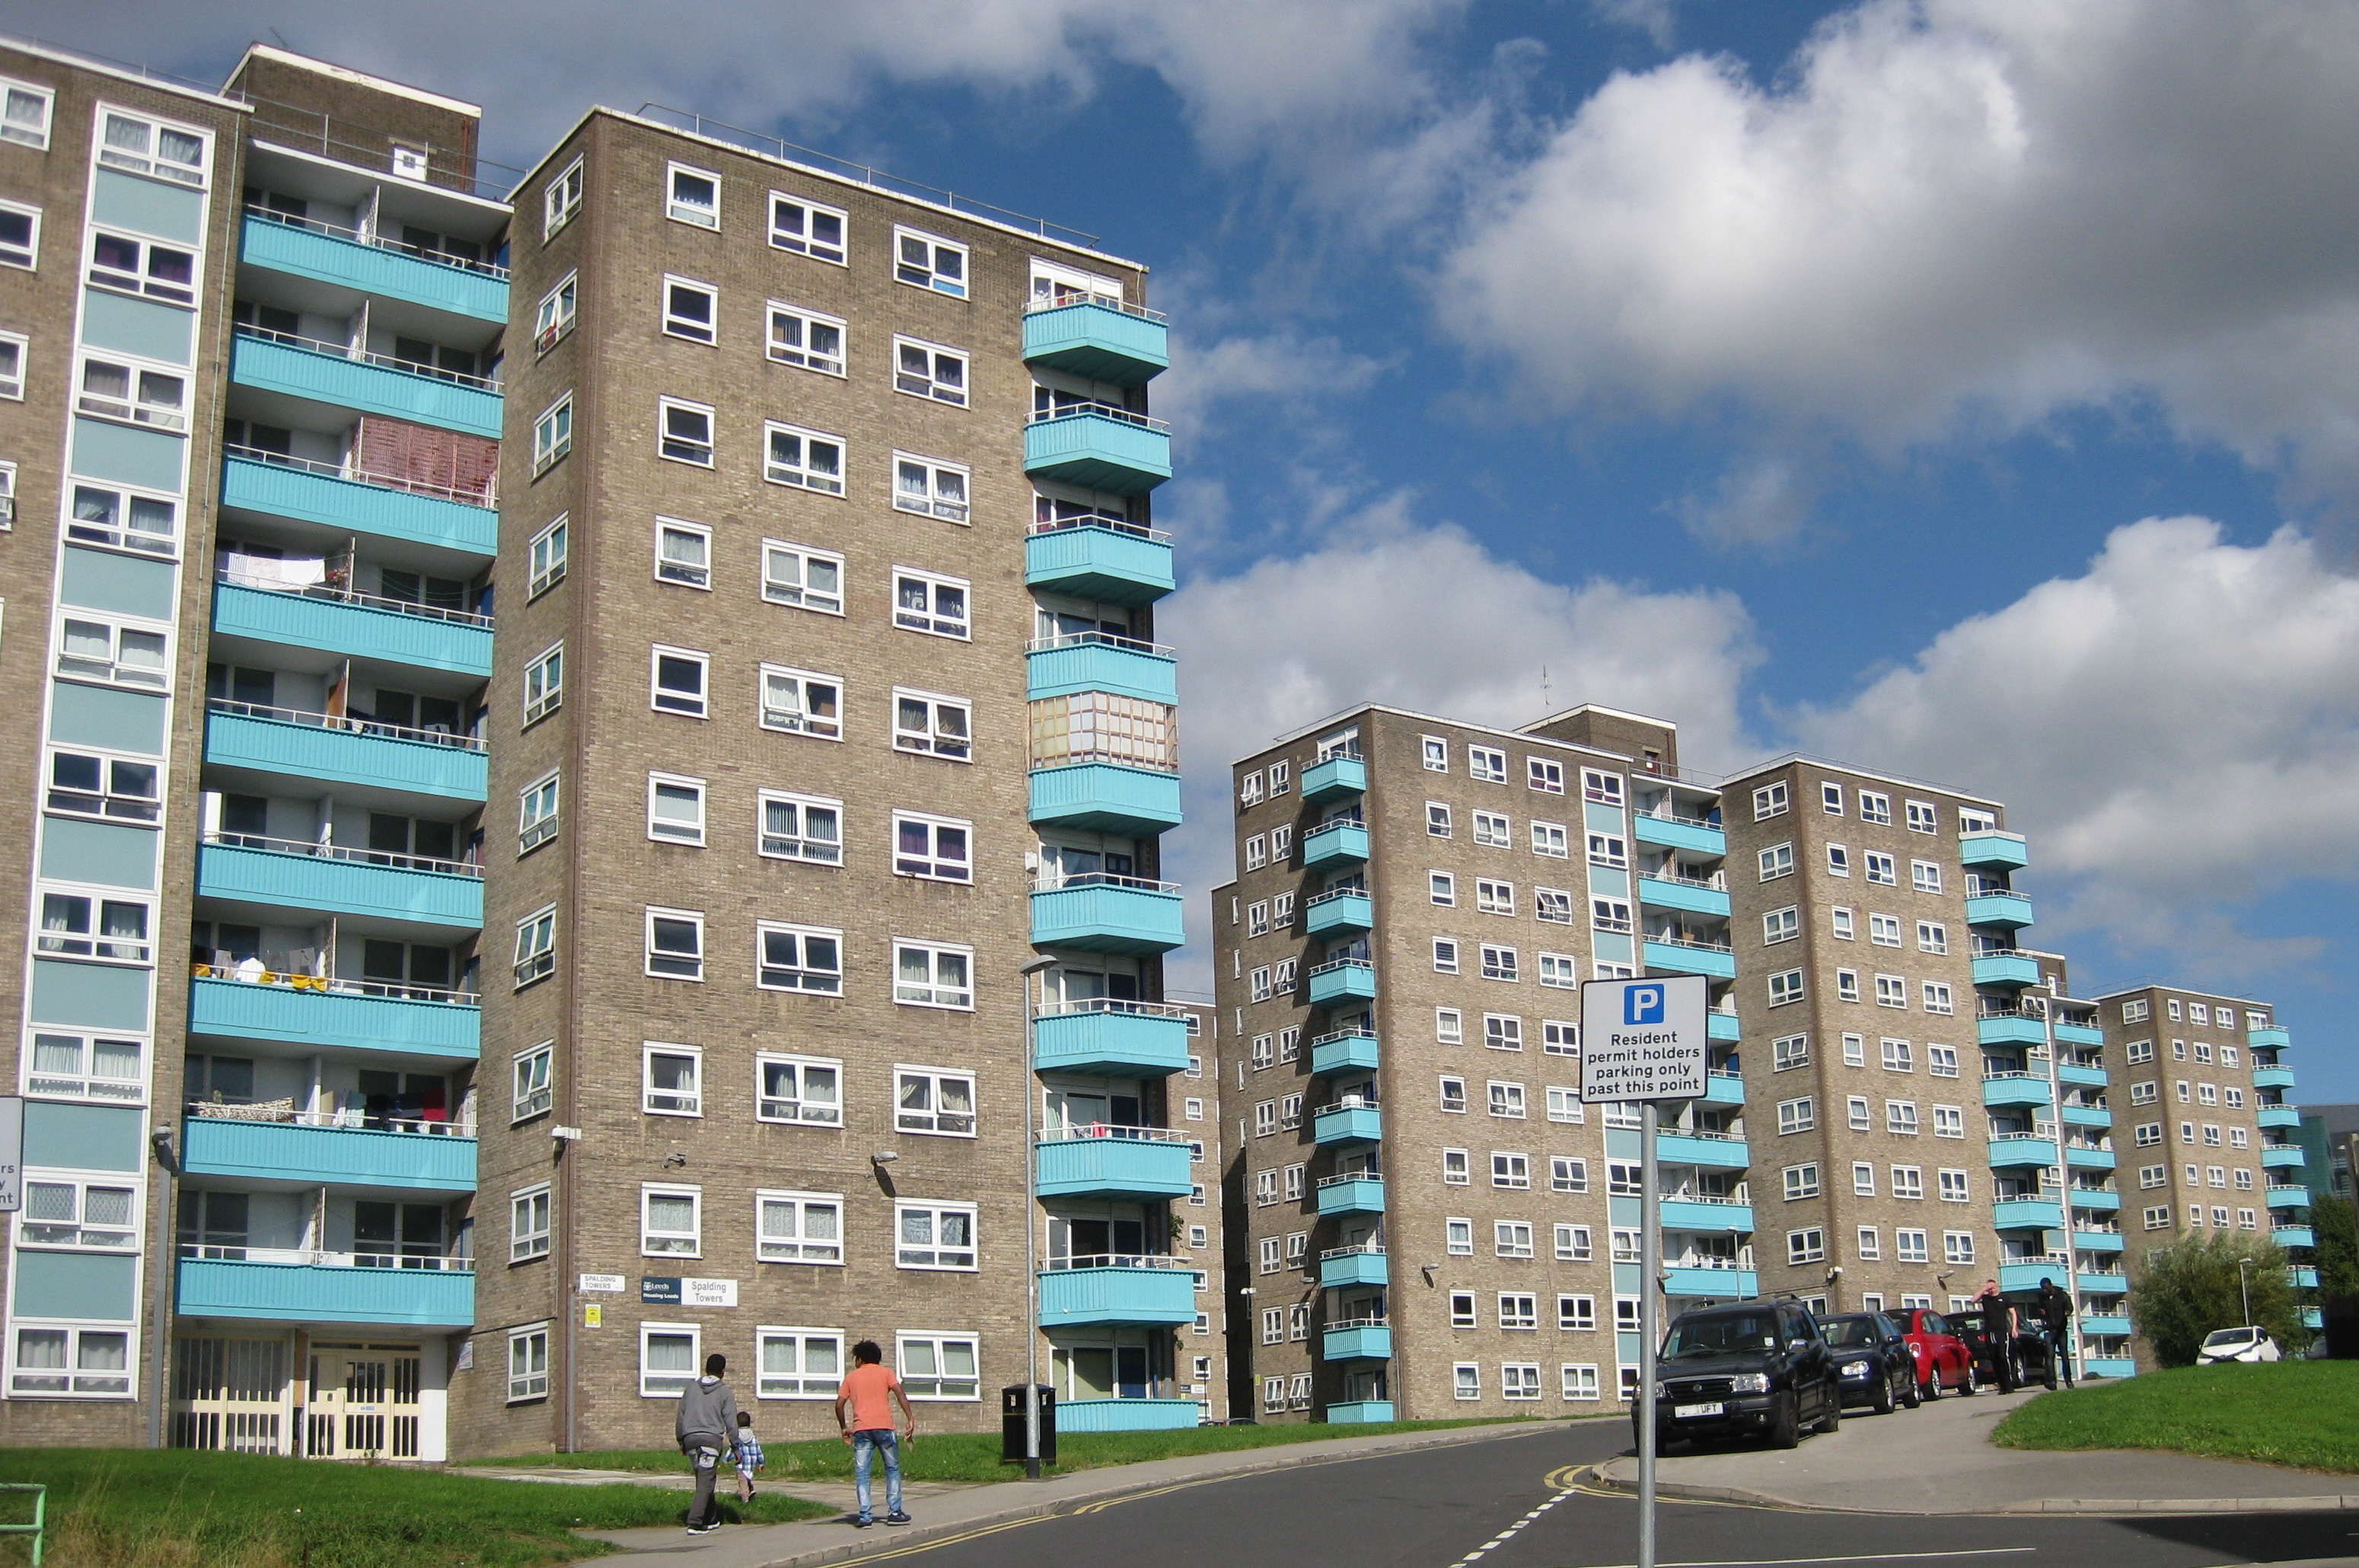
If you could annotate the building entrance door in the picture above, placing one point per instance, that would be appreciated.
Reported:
(363, 1401)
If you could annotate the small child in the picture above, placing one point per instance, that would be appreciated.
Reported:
(749, 1455)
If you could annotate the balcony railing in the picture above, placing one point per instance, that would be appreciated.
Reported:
(1715, 883)
(1331, 894)
(1086, 1132)
(1062, 298)
(1114, 521)
(282, 1113)
(1104, 410)
(1099, 639)
(229, 570)
(1364, 1249)
(370, 356)
(356, 236)
(1666, 815)
(1120, 1260)
(357, 1258)
(1111, 1005)
(354, 724)
(1333, 1035)
(1699, 943)
(338, 852)
(395, 990)
(1103, 879)
(1349, 1102)
(485, 494)
(1338, 1179)
(1335, 965)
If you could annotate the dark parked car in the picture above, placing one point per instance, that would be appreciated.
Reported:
(1872, 1363)
(1990, 1338)
(1759, 1369)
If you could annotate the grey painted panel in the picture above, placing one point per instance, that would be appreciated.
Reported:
(94, 716)
(104, 852)
(81, 1137)
(96, 996)
(168, 211)
(138, 326)
(101, 579)
(150, 459)
(75, 1285)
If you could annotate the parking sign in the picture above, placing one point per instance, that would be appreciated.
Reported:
(1644, 1040)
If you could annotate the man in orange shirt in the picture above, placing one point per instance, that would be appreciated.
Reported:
(863, 1410)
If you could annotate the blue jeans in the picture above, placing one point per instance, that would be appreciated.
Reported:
(864, 1446)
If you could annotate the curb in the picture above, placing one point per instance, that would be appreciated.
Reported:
(1597, 1476)
(1278, 1456)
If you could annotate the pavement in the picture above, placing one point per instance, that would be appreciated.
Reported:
(945, 1513)
(1937, 1460)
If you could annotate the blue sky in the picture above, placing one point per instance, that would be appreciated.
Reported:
(1965, 389)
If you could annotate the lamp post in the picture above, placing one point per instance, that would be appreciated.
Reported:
(1031, 1232)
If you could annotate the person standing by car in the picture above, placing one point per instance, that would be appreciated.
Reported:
(706, 1427)
(2054, 1308)
(1996, 1313)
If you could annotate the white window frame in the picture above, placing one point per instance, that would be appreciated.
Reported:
(653, 1241)
(802, 1384)
(801, 240)
(801, 474)
(669, 1385)
(544, 684)
(660, 829)
(916, 1386)
(536, 1205)
(655, 1101)
(809, 979)
(680, 962)
(681, 573)
(929, 274)
(531, 1382)
(961, 998)
(31, 134)
(799, 719)
(675, 699)
(545, 560)
(532, 1079)
(114, 670)
(789, 847)
(675, 325)
(905, 1207)
(928, 620)
(803, 356)
(928, 385)
(109, 156)
(947, 491)
(686, 449)
(556, 314)
(800, 1110)
(690, 213)
(933, 866)
(561, 198)
(536, 948)
(19, 349)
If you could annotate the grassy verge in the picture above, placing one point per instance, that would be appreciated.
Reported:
(143, 1509)
(2301, 1413)
(975, 1456)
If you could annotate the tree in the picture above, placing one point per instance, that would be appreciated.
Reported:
(2337, 1228)
(2183, 1292)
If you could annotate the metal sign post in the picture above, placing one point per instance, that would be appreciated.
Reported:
(1642, 1041)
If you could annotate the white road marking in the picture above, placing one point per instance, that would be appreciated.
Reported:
(1861, 1557)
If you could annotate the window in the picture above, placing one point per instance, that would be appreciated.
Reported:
(1908, 1182)
(1486, 765)
(676, 808)
(25, 114)
(87, 1067)
(1785, 986)
(1449, 1026)
(1609, 914)
(806, 339)
(1518, 1381)
(1923, 818)
(1781, 925)
(801, 701)
(2147, 1135)
(1567, 1173)
(1796, 1115)
(150, 147)
(527, 1363)
(2138, 1050)
(934, 1235)
(1560, 1039)
(930, 488)
(1564, 1106)
(940, 1366)
(925, 603)
(1806, 1246)
(1900, 1118)
(82, 784)
(669, 1077)
(807, 228)
(1770, 800)
(1445, 956)
(82, 925)
(1624, 1179)
(1466, 1380)
(1847, 984)
(544, 684)
(115, 654)
(1441, 887)
(1546, 777)
(1871, 1244)
(675, 944)
(2136, 1012)
(1793, 1050)
(1512, 1239)
(548, 559)
(528, 1224)
(1506, 1100)
(1880, 868)
(536, 946)
(800, 958)
(1948, 1121)
(1502, 1031)
(1777, 861)
(555, 317)
(1462, 1309)
(1874, 806)
(805, 458)
(1437, 818)
(935, 1100)
(1551, 839)
(1898, 1056)
(684, 431)
(689, 310)
(668, 1221)
(940, 849)
(13, 347)
(1499, 963)
(1883, 930)
(117, 262)
(537, 813)
(1553, 905)
(802, 827)
(797, 1362)
(1572, 1244)
(1838, 860)
(683, 553)
(561, 198)
(1511, 1171)
(677, 680)
(1492, 829)
(1454, 1094)
(1493, 898)
(1956, 1187)
(1863, 1179)
(929, 975)
(82, 1216)
(1932, 937)
(1455, 1172)
(1856, 1115)
(1925, 876)
(1801, 1181)
(1608, 849)
(928, 370)
(806, 1091)
(1909, 1246)
(1839, 921)
(803, 577)
(692, 196)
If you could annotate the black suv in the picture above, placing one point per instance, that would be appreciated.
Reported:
(1872, 1361)
(1756, 1369)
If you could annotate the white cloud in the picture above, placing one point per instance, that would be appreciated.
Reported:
(1285, 368)
(1957, 216)
(2177, 728)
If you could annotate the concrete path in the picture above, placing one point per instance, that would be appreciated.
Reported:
(960, 1512)
(1938, 1460)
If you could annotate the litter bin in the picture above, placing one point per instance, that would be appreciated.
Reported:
(1011, 1423)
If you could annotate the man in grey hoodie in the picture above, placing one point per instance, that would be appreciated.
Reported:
(704, 1426)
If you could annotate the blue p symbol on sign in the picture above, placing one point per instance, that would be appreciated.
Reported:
(1642, 1005)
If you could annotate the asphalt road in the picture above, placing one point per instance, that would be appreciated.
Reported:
(1499, 1505)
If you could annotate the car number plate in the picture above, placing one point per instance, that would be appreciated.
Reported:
(1682, 1412)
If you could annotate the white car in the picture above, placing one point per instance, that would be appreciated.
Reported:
(2237, 1344)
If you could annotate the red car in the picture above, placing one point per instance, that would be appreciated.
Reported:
(1943, 1359)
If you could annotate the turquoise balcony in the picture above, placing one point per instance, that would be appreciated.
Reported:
(2020, 1150)
(2097, 1240)
(2272, 1077)
(2083, 1158)
(1676, 957)
(1109, 1038)
(1116, 1167)
(1722, 1027)
(2109, 1365)
(2026, 1213)
(1128, 1415)
(1353, 1266)
(325, 374)
(2288, 1196)
(1099, 662)
(2294, 1236)
(1721, 1284)
(2107, 1325)
(314, 1292)
(1680, 832)
(1100, 446)
(1349, 1051)
(2006, 969)
(1343, 981)
(2009, 1028)
(1108, 915)
(2088, 1117)
(2269, 1038)
(346, 261)
(1108, 798)
(1097, 341)
(314, 748)
(1703, 1215)
(1340, 913)
(2009, 909)
(352, 630)
(1993, 852)
(2087, 1077)
(336, 1020)
(2026, 1275)
(1335, 778)
(2279, 1115)
(1724, 1089)
(2080, 1034)
(2015, 1089)
(2103, 1282)
(331, 1156)
(332, 884)
(1351, 1195)
(2097, 1198)
(1346, 1127)
(2281, 1156)
(315, 494)
(1337, 844)
(1359, 1412)
(1115, 1294)
(1358, 1342)
(1101, 562)
(1695, 897)
(1715, 1151)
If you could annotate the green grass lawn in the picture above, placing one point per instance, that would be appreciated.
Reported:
(2302, 1413)
(174, 1508)
(975, 1456)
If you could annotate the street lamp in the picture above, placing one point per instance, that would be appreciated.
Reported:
(1031, 1231)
